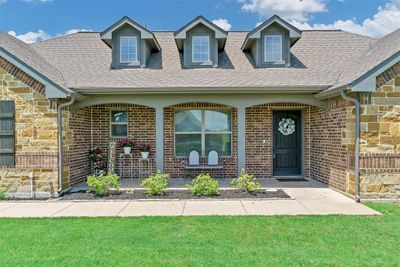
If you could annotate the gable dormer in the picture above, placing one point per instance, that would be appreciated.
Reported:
(269, 44)
(200, 41)
(131, 43)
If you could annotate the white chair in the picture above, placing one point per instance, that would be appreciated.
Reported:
(194, 158)
(213, 159)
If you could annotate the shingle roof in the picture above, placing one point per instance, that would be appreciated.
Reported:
(370, 58)
(32, 58)
(317, 59)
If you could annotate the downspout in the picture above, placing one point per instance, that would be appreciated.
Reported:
(357, 146)
(59, 128)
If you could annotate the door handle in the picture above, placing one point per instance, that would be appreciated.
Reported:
(273, 155)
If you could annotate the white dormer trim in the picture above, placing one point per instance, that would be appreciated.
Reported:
(182, 34)
(294, 33)
(219, 33)
(145, 34)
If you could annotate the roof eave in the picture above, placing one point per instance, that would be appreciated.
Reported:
(53, 90)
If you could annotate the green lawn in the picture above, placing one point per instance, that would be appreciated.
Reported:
(204, 241)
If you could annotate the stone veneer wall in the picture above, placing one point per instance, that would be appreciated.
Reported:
(174, 165)
(259, 137)
(35, 134)
(380, 138)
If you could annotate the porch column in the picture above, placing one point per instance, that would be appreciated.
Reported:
(241, 138)
(160, 139)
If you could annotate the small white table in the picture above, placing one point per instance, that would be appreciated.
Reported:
(126, 165)
(145, 167)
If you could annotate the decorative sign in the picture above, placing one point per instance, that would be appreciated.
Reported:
(112, 147)
(287, 126)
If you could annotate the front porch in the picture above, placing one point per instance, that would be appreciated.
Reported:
(242, 131)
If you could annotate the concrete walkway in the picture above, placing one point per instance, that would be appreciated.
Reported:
(306, 200)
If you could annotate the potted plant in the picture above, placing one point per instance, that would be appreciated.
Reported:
(98, 158)
(144, 150)
(127, 145)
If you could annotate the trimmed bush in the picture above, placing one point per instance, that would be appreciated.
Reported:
(2, 193)
(203, 185)
(156, 184)
(101, 184)
(245, 182)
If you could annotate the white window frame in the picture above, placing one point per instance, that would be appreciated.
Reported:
(203, 131)
(280, 51)
(119, 123)
(120, 49)
(209, 48)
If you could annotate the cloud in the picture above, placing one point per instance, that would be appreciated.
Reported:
(298, 10)
(31, 37)
(40, 35)
(386, 20)
(223, 24)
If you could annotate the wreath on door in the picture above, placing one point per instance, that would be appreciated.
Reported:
(287, 126)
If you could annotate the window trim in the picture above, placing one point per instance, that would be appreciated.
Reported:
(120, 50)
(209, 48)
(119, 123)
(203, 132)
(265, 48)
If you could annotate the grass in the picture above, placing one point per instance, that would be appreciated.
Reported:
(204, 241)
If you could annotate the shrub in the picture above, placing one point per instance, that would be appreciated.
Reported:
(245, 182)
(102, 183)
(156, 184)
(204, 185)
(2, 193)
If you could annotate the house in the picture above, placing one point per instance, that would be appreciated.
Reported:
(276, 101)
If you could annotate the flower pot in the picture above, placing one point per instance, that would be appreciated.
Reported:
(145, 155)
(127, 150)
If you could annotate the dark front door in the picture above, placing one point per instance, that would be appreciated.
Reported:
(287, 142)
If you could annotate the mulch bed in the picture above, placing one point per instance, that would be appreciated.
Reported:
(178, 194)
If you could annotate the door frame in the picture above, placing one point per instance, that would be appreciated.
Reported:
(302, 152)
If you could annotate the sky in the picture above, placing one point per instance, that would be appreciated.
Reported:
(38, 20)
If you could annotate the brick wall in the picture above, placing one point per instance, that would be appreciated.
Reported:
(259, 142)
(91, 128)
(331, 141)
(77, 161)
(173, 165)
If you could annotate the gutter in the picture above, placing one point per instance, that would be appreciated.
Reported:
(357, 146)
(59, 130)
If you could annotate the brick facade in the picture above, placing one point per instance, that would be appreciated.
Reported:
(91, 128)
(331, 144)
(259, 137)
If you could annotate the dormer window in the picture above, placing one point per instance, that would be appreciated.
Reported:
(200, 42)
(128, 49)
(272, 48)
(268, 45)
(131, 44)
(200, 48)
